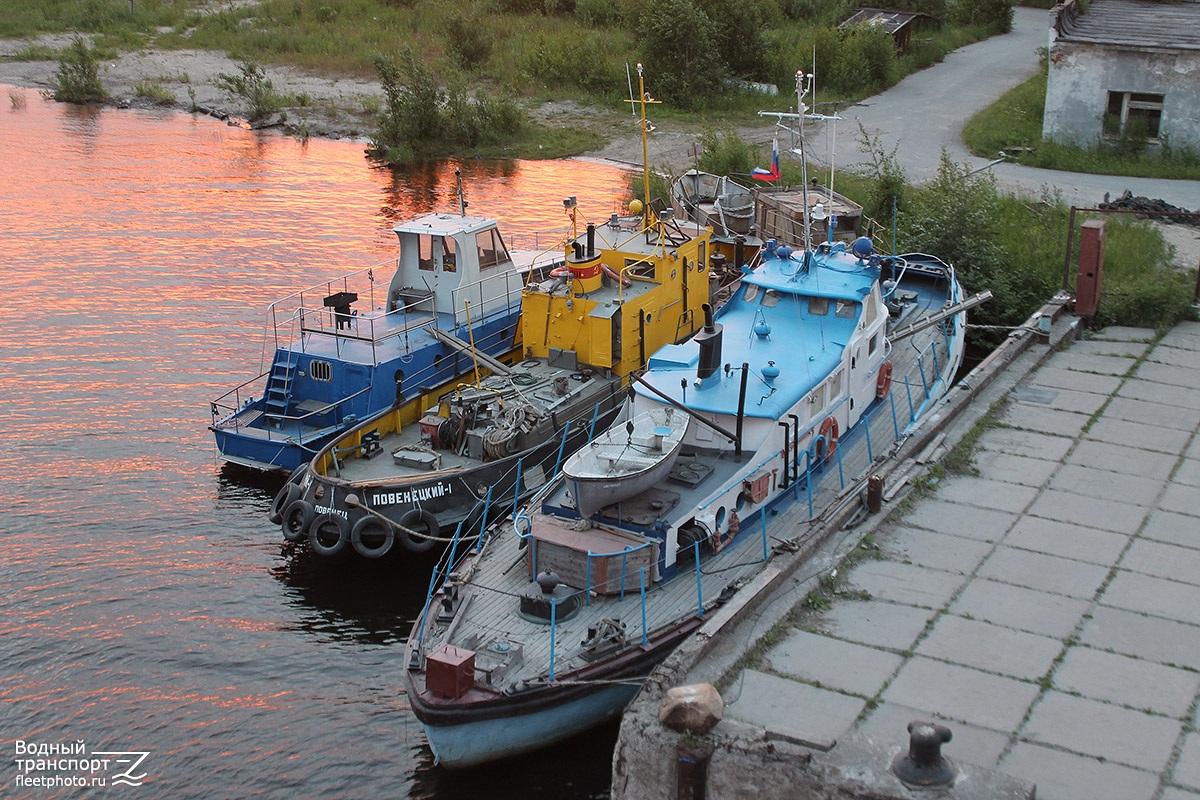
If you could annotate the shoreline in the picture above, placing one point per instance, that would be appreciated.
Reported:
(336, 106)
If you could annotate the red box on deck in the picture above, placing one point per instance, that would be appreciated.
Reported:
(450, 671)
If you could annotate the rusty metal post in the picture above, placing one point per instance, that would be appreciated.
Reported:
(875, 494)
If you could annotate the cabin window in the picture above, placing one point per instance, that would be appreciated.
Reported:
(425, 255)
(770, 298)
(873, 345)
(321, 371)
(846, 309)
(449, 255)
(751, 293)
(1133, 114)
(872, 307)
(816, 401)
(491, 248)
(835, 383)
(818, 306)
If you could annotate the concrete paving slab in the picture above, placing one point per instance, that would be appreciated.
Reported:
(1096, 512)
(974, 643)
(793, 711)
(1044, 572)
(1127, 460)
(1067, 776)
(1020, 608)
(1032, 417)
(1180, 419)
(1131, 682)
(1181, 499)
(1168, 599)
(1187, 768)
(1124, 348)
(962, 693)
(1165, 641)
(906, 583)
(1163, 560)
(1059, 399)
(1159, 393)
(1086, 362)
(1167, 526)
(932, 549)
(1175, 793)
(1067, 540)
(1055, 377)
(1175, 356)
(1169, 374)
(888, 722)
(1193, 449)
(832, 663)
(1026, 443)
(1104, 483)
(1120, 735)
(1136, 434)
(973, 522)
(985, 493)
(1122, 333)
(1002, 466)
(1188, 472)
(1184, 334)
(873, 622)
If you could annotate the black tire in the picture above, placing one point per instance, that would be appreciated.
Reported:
(421, 522)
(297, 516)
(283, 499)
(328, 534)
(369, 530)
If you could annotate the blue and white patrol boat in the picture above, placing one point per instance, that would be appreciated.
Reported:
(822, 359)
(356, 345)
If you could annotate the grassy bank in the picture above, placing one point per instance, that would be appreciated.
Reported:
(699, 54)
(1014, 124)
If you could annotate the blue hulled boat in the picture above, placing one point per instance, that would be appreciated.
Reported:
(779, 405)
(351, 347)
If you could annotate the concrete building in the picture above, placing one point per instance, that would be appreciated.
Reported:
(1124, 67)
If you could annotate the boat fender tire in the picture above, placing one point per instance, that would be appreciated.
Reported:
(283, 499)
(322, 531)
(883, 383)
(296, 517)
(422, 522)
(372, 529)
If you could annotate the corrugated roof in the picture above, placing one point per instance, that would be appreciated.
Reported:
(890, 21)
(1136, 23)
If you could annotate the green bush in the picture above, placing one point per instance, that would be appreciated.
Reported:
(251, 86)
(469, 39)
(679, 41)
(78, 77)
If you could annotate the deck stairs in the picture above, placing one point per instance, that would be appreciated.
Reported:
(279, 386)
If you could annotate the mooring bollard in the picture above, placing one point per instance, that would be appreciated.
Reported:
(924, 764)
(875, 494)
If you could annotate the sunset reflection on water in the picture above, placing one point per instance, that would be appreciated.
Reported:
(148, 601)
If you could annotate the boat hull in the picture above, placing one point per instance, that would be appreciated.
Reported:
(480, 741)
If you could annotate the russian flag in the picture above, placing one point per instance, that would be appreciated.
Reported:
(772, 174)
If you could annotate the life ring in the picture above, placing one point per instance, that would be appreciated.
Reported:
(296, 517)
(322, 531)
(826, 442)
(884, 382)
(560, 272)
(419, 521)
(368, 530)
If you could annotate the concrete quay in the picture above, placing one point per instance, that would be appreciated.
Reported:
(1043, 605)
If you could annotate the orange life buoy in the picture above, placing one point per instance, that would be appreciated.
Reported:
(884, 382)
(826, 442)
(560, 272)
